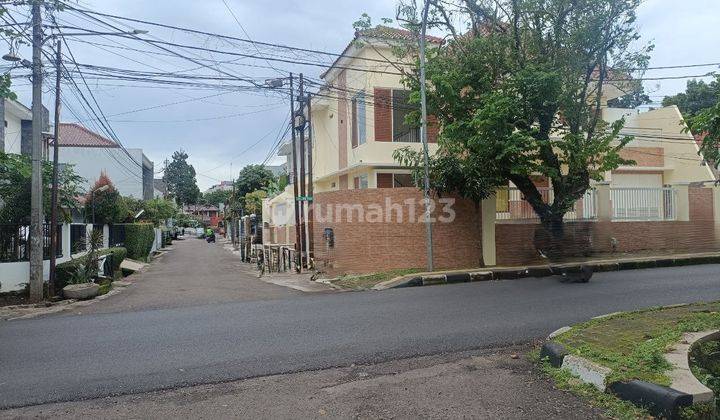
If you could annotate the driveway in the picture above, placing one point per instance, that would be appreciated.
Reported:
(193, 273)
(65, 358)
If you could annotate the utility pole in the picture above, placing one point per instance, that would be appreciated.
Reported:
(424, 137)
(311, 202)
(301, 129)
(36, 207)
(54, 198)
(298, 244)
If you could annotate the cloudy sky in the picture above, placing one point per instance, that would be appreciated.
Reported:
(217, 131)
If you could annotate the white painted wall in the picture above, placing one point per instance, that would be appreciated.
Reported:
(15, 275)
(91, 161)
(12, 133)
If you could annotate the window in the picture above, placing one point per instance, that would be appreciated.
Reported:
(357, 111)
(402, 132)
(361, 182)
(402, 180)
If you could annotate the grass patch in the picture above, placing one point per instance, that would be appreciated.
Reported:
(613, 406)
(367, 281)
(633, 344)
(105, 287)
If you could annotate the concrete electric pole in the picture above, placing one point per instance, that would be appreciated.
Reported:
(36, 207)
(54, 197)
(424, 137)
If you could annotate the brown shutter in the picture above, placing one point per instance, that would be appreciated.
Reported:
(353, 126)
(383, 114)
(356, 183)
(384, 180)
(433, 129)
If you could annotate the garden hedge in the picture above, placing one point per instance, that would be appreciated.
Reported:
(65, 270)
(139, 238)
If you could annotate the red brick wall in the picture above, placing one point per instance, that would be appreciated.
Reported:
(364, 247)
(701, 203)
(644, 156)
(514, 242)
(383, 114)
(342, 122)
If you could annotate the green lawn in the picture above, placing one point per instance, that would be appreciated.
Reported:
(632, 344)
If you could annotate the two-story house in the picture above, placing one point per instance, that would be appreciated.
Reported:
(358, 121)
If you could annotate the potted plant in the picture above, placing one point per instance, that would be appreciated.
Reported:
(81, 284)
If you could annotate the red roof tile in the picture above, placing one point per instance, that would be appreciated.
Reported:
(75, 135)
(386, 32)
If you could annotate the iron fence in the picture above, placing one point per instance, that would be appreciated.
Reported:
(117, 235)
(78, 242)
(15, 242)
(511, 205)
(630, 203)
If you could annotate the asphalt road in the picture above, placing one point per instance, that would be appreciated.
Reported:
(76, 357)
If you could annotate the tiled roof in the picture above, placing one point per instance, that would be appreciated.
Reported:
(75, 135)
(386, 32)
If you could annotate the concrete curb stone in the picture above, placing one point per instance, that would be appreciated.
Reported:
(539, 271)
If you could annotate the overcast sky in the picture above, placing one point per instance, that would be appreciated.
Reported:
(684, 32)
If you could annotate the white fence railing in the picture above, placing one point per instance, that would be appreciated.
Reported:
(511, 205)
(630, 203)
(627, 203)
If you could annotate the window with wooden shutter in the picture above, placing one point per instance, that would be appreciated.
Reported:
(383, 114)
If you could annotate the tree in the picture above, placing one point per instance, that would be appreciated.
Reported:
(107, 206)
(216, 197)
(521, 93)
(698, 96)
(15, 174)
(252, 178)
(707, 122)
(253, 202)
(158, 210)
(180, 179)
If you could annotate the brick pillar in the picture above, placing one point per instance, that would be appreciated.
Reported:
(604, 204)
(488, 213)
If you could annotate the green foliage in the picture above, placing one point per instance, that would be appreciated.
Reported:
(73, 271)
(180, 179)
(15, 177)
(707, 123)
(633, 99)
(520, 94)
(108, 206)
(253, 202)
(139, 238)
(184, 220)
(252, 178)
(215, 198)
(158, 210)
(277, 186)
(698, 96)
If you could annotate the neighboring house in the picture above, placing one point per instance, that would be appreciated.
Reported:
(277, 170)
(91, 154)
(16, 130)
(358, 122)
(222, 186)
(207, 214)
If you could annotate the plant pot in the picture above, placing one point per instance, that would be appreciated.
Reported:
(81, 291)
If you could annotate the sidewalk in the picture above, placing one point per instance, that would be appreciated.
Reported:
(515, 272)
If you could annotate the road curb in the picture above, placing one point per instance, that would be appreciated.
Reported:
(511, 273)
(660, 400)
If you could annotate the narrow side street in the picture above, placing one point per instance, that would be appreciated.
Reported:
(193, 273)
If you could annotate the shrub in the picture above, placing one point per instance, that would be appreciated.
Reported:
(117, 256)
(65, 271)
(139, 238)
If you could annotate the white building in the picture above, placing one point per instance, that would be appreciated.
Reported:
(16, 130)
(92, 154)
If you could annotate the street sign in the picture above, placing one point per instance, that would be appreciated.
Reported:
(304, 198)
